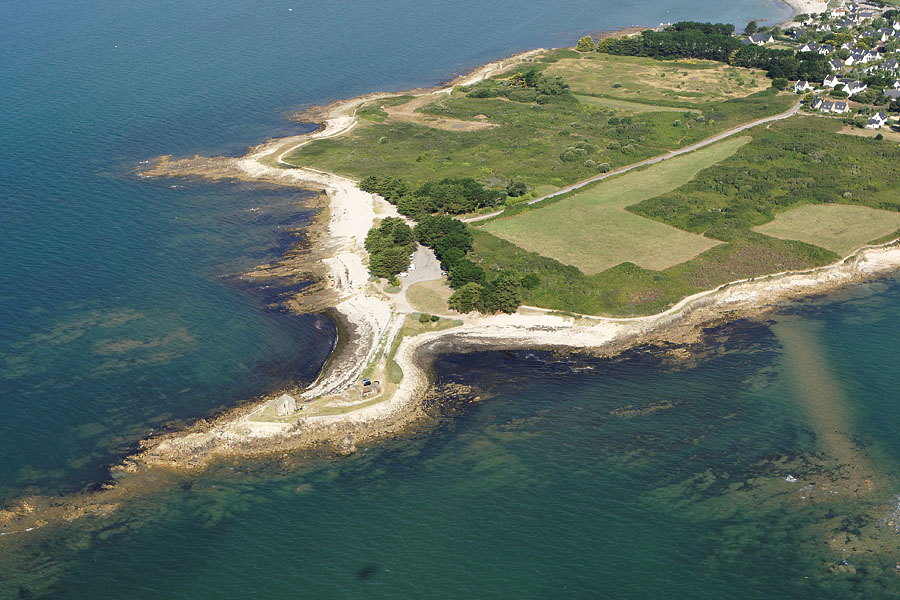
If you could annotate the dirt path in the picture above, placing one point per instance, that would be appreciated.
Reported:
(340, 117)
(407, 112)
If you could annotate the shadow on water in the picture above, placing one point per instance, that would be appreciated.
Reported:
(367, 572)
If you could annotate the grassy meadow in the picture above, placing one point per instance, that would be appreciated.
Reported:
(625, 106)
(525, 139)
(429, 297)
(788, 164)
(798, 195)
(683, 83)
(607, 234)
(838, 227)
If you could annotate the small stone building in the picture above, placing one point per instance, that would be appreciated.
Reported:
(285, 405)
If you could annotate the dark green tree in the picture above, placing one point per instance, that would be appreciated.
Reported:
(388, 261)
(516, 188)
(467, 298)
(502, 294)
(465, 271)
(389, 246)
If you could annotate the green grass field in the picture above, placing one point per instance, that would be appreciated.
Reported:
(788, 164)
(528, 139)
(429, 297)
(625, 105)
(797, 196)
(836, 227)
(606, 234)
(684, 83)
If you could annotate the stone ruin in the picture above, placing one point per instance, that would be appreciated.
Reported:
(285, 405)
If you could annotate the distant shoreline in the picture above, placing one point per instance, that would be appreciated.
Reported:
(802, 7)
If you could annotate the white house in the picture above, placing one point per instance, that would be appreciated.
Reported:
(759, 39)
(831, 81)
(876, 121)
(810, 47)
(840, 108)
(854, 87)
(890, 64)
(802, 86)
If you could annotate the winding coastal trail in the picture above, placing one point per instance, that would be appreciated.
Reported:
(651, 161)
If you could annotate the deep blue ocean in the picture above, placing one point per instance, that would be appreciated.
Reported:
(121, 310)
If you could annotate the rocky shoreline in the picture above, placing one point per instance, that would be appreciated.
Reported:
(336, 259)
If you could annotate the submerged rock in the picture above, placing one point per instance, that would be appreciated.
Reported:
(346, 445)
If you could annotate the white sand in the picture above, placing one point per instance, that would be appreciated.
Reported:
(804, 7)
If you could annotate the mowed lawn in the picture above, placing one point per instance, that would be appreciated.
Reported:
(592, 231)
(430, 297)
(836, 227)
(650, 80)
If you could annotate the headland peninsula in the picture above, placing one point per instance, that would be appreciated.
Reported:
(629, 192)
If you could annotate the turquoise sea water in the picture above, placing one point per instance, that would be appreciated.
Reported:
(541, 490)
(121, 312)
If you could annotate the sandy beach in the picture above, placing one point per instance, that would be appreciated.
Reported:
(804, 7)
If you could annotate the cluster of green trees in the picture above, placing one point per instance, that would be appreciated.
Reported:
(526, 86)
(705, 41)
(448, 196)
(707, 28)
(389, 188)
(389, 246)
(451, 241)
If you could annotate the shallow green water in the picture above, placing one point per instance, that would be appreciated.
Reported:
(542, 490)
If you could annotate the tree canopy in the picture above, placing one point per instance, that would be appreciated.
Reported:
(704, 41)
(447, 196)
(389, 246)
